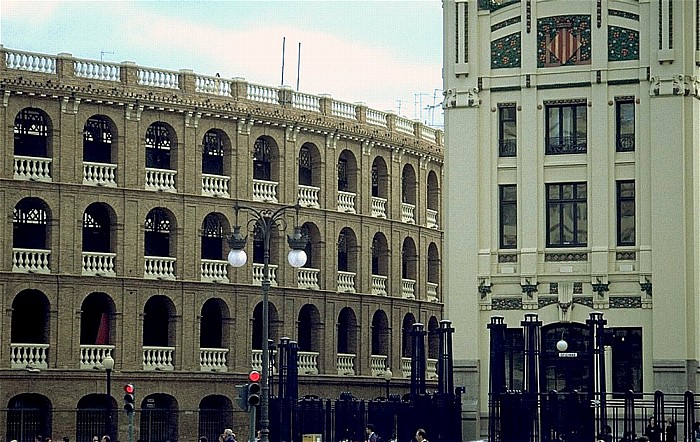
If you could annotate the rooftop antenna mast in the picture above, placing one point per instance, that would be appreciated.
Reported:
(103, 53)
(283, 41)
(298, 65)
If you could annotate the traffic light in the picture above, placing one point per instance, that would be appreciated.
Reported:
(254, 388)
(129, 398)
(242, 400)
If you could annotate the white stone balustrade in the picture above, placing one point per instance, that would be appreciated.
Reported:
(215, 185)
(97, 70)
(376, 117)
(346, 202)
(32, 168)
(377, 364)
(428, 134)
(158, 358)
(406, 367)
(408, 288)
(431, 369)
(258, 274)
(158, 78)
(263, 94)
(306, 102)
(161, 180)
(342, 109)
(346, 282)
(159, 267)
(31, 260)
(99, 174)
(379, 285)
(408, 213)
(91, 356)
(378, 207)
(404, 125)
(99, 264)
(345, 364)
(212, 85)
(308, 196)
(431, 219)
(256, 361)
(265, 191)
(307, 362)
(432, 291)
(213, 270)
(213, 359)
(307, 278)
(29, 355)
(28, 61)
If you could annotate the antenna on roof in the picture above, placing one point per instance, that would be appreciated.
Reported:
(298, 65)
(283, 41)
(103, 53)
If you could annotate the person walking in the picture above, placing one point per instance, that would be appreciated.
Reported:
(371, 434)
(229, 435)
(653, 430)
(420, 435)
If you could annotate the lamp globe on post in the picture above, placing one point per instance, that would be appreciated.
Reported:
(387, 378)
(237, 256)
(108, 364)
(297, 243)
(562, 345)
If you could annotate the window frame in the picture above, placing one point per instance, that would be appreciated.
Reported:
(620, 199)
(504, 204)
(561, 144)
(563, 204)
(507, 147)
(624, 142)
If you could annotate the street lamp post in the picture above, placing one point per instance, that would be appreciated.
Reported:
(264, 222)
(387, 377)
(108, 364)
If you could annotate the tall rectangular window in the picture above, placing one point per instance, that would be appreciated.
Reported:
(624, 125)
(508, 206)
(627, 352)
(625, 213)
(567, 215)
(507, 135)
(566, 128)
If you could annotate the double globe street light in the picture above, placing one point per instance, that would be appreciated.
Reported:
(262, 222)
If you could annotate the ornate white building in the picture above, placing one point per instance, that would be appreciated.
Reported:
(572, 179)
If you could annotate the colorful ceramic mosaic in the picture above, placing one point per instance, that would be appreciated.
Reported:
(505, 52)
(563, 40)
(623, 44)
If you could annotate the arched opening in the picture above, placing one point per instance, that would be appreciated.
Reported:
(406, 337)
(160, 145)
(158, 226)
(30, 325)
(433, 191)
(215, 414)
(97, 323)
(213, 324)
(159, 322)
(408, 185)
(98, 227)
(96, 415)
(347, 172)
(309, 165)
(264, 159)
(28, 415)
(308, 329)
(98, 138)
(214, 146)
(158, 415)
(347, 250)
(31, 132)
(274, 323)
(433, 338)
(214, 233)
(380, 178)
(380, 333)
(30, 224)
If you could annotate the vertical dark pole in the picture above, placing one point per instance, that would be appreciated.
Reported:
(418, 360)
(689, 416)
(596, 380)
(531, 329)
(445, 361)
(497, 381)
(271, 380)
(283, 367)
(293, 388)
(109, 403)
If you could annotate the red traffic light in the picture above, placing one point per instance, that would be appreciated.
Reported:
(254, 376)
(129, 389)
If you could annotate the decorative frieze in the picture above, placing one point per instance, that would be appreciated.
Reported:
(625, 256)
(507, 258)
(505, 52)
(563, 40)
(507, 303)
(565, 257)
(504, 23)
(625, 302)
(623, 44)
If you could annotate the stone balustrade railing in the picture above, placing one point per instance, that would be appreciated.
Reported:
(99, 264)
(213, 359)
(307, 362)
(31, 260)
(258, 274)
(406, 367)
(91, 356)
(158, 358)
(432, 219)
(265, 191)
(29, 355)
(308, 196)
(408, 288)
(256, 361)
(345, 364)
(408, 213)
(159, 83)
(431, 369)
(378, 207)
(159, 267)
(215, 185)
(379, 285)
(99, 174)
(377, 364)
(307, 278)
(346, 202)
(346, 282)
(213, 270)
(32, 168)
(161, 180)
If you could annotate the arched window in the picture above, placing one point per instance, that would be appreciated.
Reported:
(96, 229)
(30, 224)
(305, 167)
(158, 146)
(262, 159)
(97, 140)
(212, 237)
(157, 235)
(31, 131)
(213, 153)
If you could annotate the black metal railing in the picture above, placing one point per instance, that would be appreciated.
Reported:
(507, 148)
(565, 145)
(625, 143)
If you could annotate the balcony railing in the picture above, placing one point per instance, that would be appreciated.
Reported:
(29, 355)
(431, 369)
(31, 260)
(378, 207)
(308, 196)
(213, 359)
(377, 364)
(379, 285)
(158, 358)
(346, 282)
(265, 191)
(565, 145)
(214, 270)
(159, 267)
(91, 356)
(408, 213)
(98, 264)
(431, 218)
(346, 202)
(258, 274)
(507, 148)
(32, 168)
(432, 291)
(215, 185)
(256, 361)
(345, 363)
(406, 367)
(162, 180)
(308, 362)
(99, 174)
(408, 288)
(307, 278)
(625, 143)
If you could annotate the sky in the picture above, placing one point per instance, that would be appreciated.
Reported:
(384, 53)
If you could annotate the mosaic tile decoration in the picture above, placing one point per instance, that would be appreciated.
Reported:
(623, 14)
(623, 44)
(505, 23)
(505, 52)
(563, 40)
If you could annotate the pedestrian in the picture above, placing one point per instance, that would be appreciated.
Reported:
(95, 438)
(653, 430)
(229, 435)
(606, 434)
(420, 435)
(371, 434)
(628, 436)
(203, 439)
(671, 432)
(106, 438)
